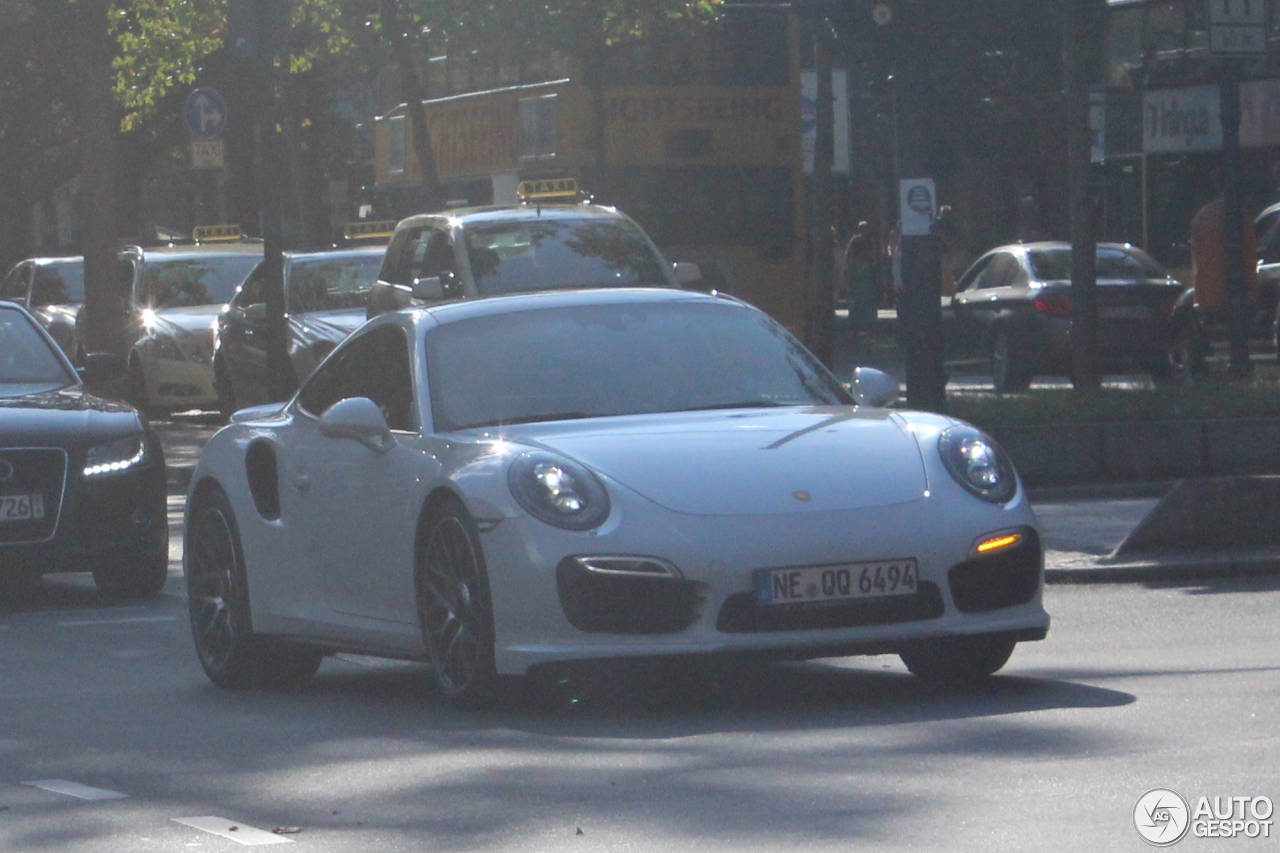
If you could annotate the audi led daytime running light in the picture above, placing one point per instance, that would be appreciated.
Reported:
(558, 491)
(977, 463)
(115, 456)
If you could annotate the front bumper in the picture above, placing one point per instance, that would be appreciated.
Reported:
(544, 614)
(100, 520)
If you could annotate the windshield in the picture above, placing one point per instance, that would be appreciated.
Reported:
(1055, 264)
(331, 284)
(58, 284)
(185, 282)
(26, 356)
(546, 254)
(599, 360)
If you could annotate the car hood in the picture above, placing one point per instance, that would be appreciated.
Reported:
(749, 462)
(69, 417)
(176, 321)
(329, 325)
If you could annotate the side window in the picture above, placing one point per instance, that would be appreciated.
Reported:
(1003, 271)
(439, 260)
(15, 284)
(405, 254)
(251, 292)
(375, 365)
(966, 282)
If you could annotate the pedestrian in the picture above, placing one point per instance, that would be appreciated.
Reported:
(953, 256)
(1209, 273)
(860, 280)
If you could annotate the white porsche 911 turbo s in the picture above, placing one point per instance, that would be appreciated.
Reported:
(493, 485)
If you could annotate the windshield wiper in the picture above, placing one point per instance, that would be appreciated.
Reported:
(745, 404)
(529, 419)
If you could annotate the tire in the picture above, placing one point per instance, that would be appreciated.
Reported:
(455, 609)
(137, 393)
(133, 576)
(230, 653)
(1010, 372)
(1186, 353)
(958, 660)
(1161, 367)
(227, 404)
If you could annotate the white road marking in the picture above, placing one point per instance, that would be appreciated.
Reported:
(130, 620)
(75, 789)
(238, 832)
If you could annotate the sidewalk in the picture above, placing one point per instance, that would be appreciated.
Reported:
(1081, 527)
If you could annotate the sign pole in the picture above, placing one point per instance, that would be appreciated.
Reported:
(1239, 365)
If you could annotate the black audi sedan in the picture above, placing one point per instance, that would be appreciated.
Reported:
(82, 479)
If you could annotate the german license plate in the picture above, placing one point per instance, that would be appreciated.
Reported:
(21, 507)
(1124, 312)
(846, 582)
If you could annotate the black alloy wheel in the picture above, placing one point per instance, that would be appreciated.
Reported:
(455, 608)
(958, 660)
(231, 654)
(1010, 372)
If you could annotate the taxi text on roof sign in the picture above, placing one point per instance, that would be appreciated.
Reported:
(215, 233)
(367, 230)
(563, 188)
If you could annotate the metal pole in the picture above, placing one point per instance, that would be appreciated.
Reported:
(1240, 365)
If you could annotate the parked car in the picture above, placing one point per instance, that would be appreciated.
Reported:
(496, 484)
(175, 295)
(82, 479)
(52, 289)
(1016, 302)
(326, 295)
(485, 251)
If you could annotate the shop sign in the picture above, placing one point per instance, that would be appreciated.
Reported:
(1260, 113)
(1181, 120)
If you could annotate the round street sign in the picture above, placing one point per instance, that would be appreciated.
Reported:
(205, 113)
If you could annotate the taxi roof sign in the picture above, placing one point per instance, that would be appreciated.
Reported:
(216, 233)
(369, 230)
(548, 188)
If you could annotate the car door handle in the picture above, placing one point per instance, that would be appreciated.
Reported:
(302, 482)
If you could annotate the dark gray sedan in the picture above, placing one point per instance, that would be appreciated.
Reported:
(325, 297)
(1015, 302)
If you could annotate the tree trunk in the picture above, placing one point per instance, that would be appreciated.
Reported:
(414, 96)
(103, 327)
(1081, 34)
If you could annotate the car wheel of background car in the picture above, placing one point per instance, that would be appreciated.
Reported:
(226, 392)
(132, 576)
(138, 395)
(231, 654)
(957, 660)
(454, 606)
(1160, 367)
(1186, 353)
(1010, 372)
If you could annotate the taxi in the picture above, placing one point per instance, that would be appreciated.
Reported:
(551, 240)
(176, 293)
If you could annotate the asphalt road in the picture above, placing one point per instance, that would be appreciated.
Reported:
(112, 741)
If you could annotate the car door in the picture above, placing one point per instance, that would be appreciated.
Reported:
(354, 509)
(242, 338)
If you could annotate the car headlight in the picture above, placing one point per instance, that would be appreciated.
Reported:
(111, 457)
(558, 491)
(978, 463)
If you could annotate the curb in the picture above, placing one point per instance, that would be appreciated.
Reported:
(1177, 567)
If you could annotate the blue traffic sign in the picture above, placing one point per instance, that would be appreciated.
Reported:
(205, 113)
